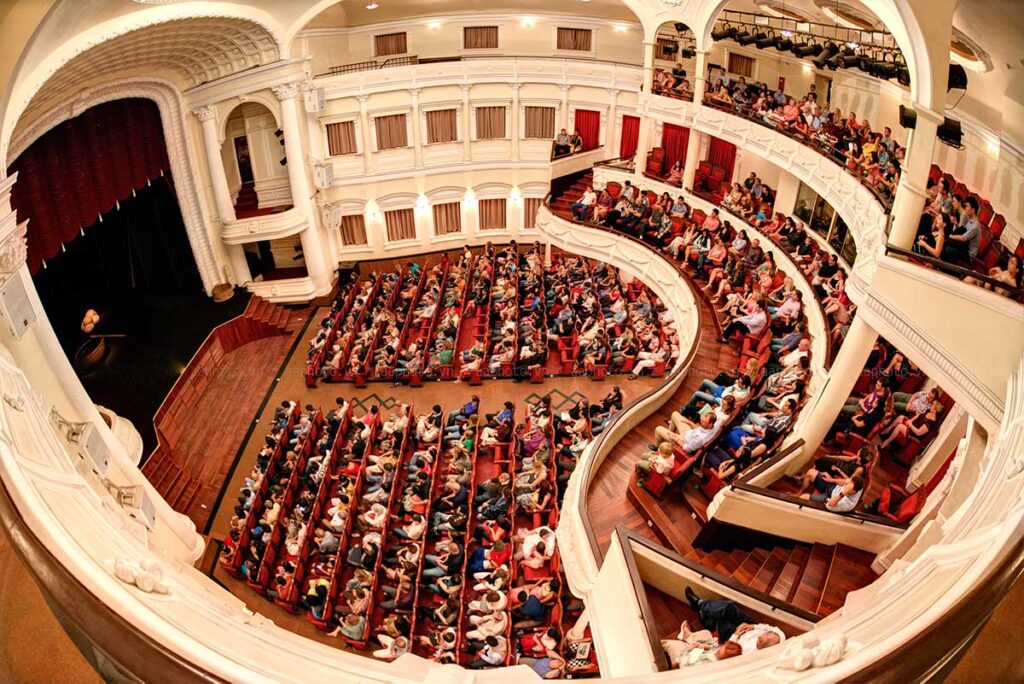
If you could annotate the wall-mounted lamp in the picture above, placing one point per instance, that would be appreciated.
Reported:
(528, 22)
(515, 196)
(433, 25)
(422, 204)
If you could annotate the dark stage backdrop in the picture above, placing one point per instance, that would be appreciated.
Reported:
(82, 168)
(135, 266)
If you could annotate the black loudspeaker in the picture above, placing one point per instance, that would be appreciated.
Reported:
(950, 133)
(957, 78)
(908, 117)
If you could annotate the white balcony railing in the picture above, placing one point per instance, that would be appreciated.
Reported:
(269, 227)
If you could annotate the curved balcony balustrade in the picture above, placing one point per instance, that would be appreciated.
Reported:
(268, 227)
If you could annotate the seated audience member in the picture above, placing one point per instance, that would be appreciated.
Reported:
(562, 143)
(583, 205)
(732, 624)
(842, 498)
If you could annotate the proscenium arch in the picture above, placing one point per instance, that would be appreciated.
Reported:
(25, 86)
(174, 121)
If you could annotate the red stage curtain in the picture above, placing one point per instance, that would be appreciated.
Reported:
(82, 168)
(630, 135)
(588, 123)
(674, 140)
(723, 155)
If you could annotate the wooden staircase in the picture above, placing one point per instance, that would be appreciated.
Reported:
(812, 577)
(270, 319)
(177, 487)
(561, 204)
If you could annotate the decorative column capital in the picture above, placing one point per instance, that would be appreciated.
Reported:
(205, 113)
(515, 87)
(565, 87)
(414, 92)
(285, 91)
(362, 99)
(465, 89)
(613, 94)
(13, 249)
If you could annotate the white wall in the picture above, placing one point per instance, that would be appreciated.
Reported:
(442, 37)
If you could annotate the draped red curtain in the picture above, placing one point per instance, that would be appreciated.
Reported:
(723, 155)
(674, 140)
(630, 135)
(82, 168)
(588, 123)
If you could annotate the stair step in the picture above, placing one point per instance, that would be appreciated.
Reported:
(750, 565)
(812, 582)
(784, 585)
(850, 570)
(770, 569)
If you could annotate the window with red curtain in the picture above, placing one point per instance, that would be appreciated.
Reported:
(630, 135)
(674, 140)
(588, 123)
(723, 155)
(82, 168)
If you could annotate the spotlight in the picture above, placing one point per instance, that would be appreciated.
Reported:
(284, 161)
(950, 133)
(688, 53)
(783, 43)
(741, 36)
(671, 49)
(681, 27)
(766, 42)
(847, 58)
(724, 33)
(806, 50)
(827, 52)
(748, 39)
(908, 117)
(278, 133)
(903, 75)
(957, 79)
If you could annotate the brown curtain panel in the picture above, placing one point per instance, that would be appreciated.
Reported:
(574, 39)
(492, 214)
(540, 123)
(442, 126)
(479, 37)
(490, 123)
(341, 138)
(391, 131)
(530, 207)
(660, 49)
(390, 44)
(353, 230)
(447, 218)
(741, 65)
(401, 224)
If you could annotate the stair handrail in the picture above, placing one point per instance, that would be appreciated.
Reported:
(860, 516)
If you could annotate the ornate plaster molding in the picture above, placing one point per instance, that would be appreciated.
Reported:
(286, 91)
(204, 113)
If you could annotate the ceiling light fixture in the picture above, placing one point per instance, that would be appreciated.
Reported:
(433, 25)
(528, 22)
(372, 5)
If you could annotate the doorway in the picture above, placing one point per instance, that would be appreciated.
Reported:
(242, 156)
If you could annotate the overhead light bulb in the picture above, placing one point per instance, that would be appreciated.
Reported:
(433, 25)
(372, 5)
(621, 28)
(528, 21)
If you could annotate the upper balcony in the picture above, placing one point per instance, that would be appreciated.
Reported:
(267, 227)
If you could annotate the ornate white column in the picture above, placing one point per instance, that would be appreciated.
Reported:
(695, 140)
(610, 150)
(40, 356)
(648, 67)
(643, 138)
(911, 193)
(312, 246)
(563, 108)
(207, 116)
(417, 150)
(515, 121)
(367, 134)
(846, 368)
(467, 126)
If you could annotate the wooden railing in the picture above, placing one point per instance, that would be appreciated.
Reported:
(859, 516)
(371, 65)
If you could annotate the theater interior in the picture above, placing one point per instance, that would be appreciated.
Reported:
(496, 341)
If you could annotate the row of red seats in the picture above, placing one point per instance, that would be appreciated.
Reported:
(340, 311)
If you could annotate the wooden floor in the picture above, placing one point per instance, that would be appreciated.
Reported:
(606, 498)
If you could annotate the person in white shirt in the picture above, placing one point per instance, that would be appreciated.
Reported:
(580, 208)
(732, 623)
(691, 439)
